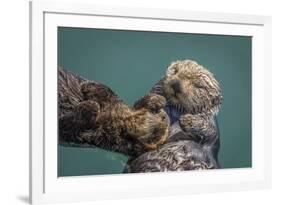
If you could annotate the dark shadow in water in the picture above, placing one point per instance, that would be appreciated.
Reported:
(24, 199)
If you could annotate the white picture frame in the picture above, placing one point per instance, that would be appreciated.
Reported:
(46, 187)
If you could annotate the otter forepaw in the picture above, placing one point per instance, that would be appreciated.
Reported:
(156, 102)
(89, 89)
(152, 102)
(191, 123)
(86, 113)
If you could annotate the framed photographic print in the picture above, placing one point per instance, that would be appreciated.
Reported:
(134, 102)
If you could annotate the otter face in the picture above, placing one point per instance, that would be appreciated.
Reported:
(158, 124)
(190, 88)
(151, 129)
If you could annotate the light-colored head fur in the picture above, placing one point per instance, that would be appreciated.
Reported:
(191, 88)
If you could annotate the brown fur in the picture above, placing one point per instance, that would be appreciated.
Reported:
(197, 90)
(193, 100)
(198, 97)
(102, 119)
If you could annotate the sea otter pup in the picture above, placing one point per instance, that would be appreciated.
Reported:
(91, 113)
(193, 100)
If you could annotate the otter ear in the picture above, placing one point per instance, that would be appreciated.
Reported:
(172, 70)
(175, 69)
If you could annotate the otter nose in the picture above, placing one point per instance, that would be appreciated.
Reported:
(176, 86)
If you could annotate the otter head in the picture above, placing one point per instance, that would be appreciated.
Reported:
(190, 88)
(158, 129)
(149, 129)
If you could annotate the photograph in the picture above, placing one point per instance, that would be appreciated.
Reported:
(134, 101)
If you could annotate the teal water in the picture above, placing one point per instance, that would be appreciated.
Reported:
(89, 161)
(132, 62)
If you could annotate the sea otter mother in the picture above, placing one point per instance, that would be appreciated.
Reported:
(193, 100)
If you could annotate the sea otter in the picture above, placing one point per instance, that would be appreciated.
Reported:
(193, 100)
(90, 113)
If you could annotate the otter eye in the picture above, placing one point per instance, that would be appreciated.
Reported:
(199, 85)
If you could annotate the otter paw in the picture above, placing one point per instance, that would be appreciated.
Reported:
(90, 90)
(152, 102)
(86, 88)
(86, 113)
(191, 123)
(156, 102)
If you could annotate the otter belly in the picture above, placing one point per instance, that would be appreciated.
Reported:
(174, 156)
(177, 134)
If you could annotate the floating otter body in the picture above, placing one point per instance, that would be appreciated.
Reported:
(90, 113)
(174, 156)
(193, 100)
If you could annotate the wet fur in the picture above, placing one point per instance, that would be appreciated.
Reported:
(91, 113)
(193, 100)
(174, 156)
